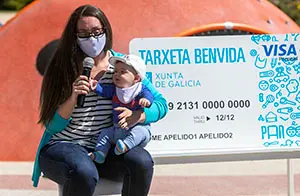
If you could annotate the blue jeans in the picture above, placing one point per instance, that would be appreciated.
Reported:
(137, 135)
(69, 165)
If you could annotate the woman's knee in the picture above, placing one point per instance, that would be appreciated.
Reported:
(82, 181)
(70, 163)
(138, 159)
(85, 174)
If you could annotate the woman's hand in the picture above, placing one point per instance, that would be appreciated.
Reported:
(128, 118)
(81, 86)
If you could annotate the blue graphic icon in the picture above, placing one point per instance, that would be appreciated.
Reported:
(149, 76)
(292, 131)
(276, 104)
(295, 116)
(272, 131)
(255, 38)
(273, 62)
(298, 98)
(292, 86)
(266, 74)
(267, 144)
(253, 52)
(284, 100)
(290, 61)
(261, 97)
(297, 142)
(260, 63)
(297, 68)
(281, 76)
(274, 87)
(270, 80)
(287, 143)
(282, 85)
(279, 94)
(271, 117)
(261, 118)
(295, 35)
(285, 110)
(266, 37)
(269, 99)
(263, 85)
(285, 119)
(274, 39)
(288, 70)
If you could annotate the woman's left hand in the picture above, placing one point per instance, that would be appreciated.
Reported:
(128, 118)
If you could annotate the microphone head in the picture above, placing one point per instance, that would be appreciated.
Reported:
(88, 62)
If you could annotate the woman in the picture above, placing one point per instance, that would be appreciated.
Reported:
(71, 132)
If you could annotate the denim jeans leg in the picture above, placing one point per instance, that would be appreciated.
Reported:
(134, 168)
(137, 135)
(138, 165)
(70, 166)
(105, 140)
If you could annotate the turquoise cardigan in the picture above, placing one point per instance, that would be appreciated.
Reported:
(156, 112)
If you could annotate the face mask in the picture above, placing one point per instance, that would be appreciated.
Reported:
(126, 95)
(92, 46)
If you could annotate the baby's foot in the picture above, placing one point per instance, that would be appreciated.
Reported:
(120, 147)
(98, 157)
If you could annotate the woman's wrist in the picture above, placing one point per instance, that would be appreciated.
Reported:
(73, 99)
(65, 110)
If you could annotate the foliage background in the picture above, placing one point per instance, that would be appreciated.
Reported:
(290, 7)
(14, 5)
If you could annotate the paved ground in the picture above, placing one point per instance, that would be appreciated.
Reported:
(247, 178)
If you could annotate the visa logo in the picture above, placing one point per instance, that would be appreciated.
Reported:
(280, 50)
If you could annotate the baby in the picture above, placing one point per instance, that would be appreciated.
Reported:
(127, 91)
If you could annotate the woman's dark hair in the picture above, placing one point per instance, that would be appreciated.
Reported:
(66, 64)
(45, 55)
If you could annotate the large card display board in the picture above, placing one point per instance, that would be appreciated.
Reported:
(225, 93)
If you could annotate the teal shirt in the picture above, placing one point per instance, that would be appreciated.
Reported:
(156, 112)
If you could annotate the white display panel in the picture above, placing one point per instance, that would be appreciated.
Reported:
(225, 93)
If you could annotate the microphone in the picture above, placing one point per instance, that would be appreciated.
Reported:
(88, 63)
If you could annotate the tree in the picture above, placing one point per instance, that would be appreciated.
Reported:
(14, 4)
(290, 7)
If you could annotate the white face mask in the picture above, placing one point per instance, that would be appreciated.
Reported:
(126, 95)
(92, 46)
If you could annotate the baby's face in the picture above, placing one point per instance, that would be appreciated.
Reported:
(124, 75)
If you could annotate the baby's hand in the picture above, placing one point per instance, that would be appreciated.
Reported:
(144, 102)
(93, 84)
